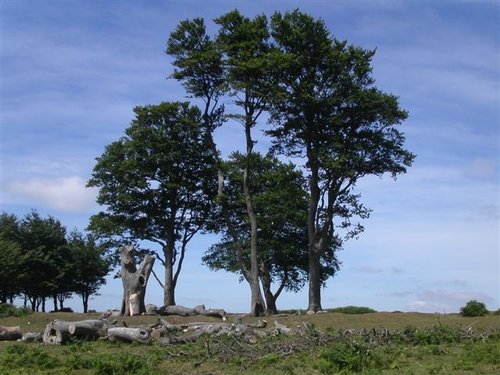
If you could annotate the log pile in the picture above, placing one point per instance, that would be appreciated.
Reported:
(59, 332)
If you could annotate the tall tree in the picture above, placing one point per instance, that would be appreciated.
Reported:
(328, 111)
(281, 207)
(234, 63)
(155, 183)
(246, 50)
(89, 266)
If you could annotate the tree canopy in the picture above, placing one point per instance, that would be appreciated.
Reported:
(329, 112)
(155, 183)
(324, 109)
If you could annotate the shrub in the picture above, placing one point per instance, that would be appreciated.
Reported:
(474, 308)
(6, 310)
(352, 310)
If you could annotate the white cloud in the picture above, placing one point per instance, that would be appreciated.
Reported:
(66, 194)
(368, 269)
(445, 301)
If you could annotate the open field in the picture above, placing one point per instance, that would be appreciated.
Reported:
(417, 344)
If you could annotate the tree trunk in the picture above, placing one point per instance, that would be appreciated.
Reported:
(268, 294)
(314, 280)
(314, 246)
(169, 287)
(85, 301)
(257, 302)
(134, 281)
(10, 333)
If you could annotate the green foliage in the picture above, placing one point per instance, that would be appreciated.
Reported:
(123, 363)
(47, 258)
(352, 310)
(474, 308)
(21, 356)
(41, 262)
(6, 310)
(89, 265)
(352, 356)
(439, 334)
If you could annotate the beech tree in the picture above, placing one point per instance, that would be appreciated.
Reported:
(281, 207)
(155, 183)
(328, 111)
(236, 63)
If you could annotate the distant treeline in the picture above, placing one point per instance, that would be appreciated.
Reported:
(41, 262)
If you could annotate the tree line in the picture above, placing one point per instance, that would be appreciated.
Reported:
(42, 262)
(281, 224)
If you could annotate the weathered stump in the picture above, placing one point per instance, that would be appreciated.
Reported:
(10, 333)
(134, 281)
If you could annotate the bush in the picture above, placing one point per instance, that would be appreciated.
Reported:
(352, 310)
(6, 310)
(474, 308)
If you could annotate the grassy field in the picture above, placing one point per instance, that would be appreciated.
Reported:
(416, 344)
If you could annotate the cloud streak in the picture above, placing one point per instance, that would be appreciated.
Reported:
(65, 194)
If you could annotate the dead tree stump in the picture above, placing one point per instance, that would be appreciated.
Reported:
(134, 281)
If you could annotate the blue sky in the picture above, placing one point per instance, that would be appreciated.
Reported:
(73, 70)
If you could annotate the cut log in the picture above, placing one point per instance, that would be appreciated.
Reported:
(218, 313)
(10, 333)
(129, 334)
(56, 332)
(187, 311)
(176, 310)
(91, 329)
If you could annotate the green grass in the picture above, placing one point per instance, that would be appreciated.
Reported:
(415, 344)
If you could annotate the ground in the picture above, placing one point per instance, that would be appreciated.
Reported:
(417, 344)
